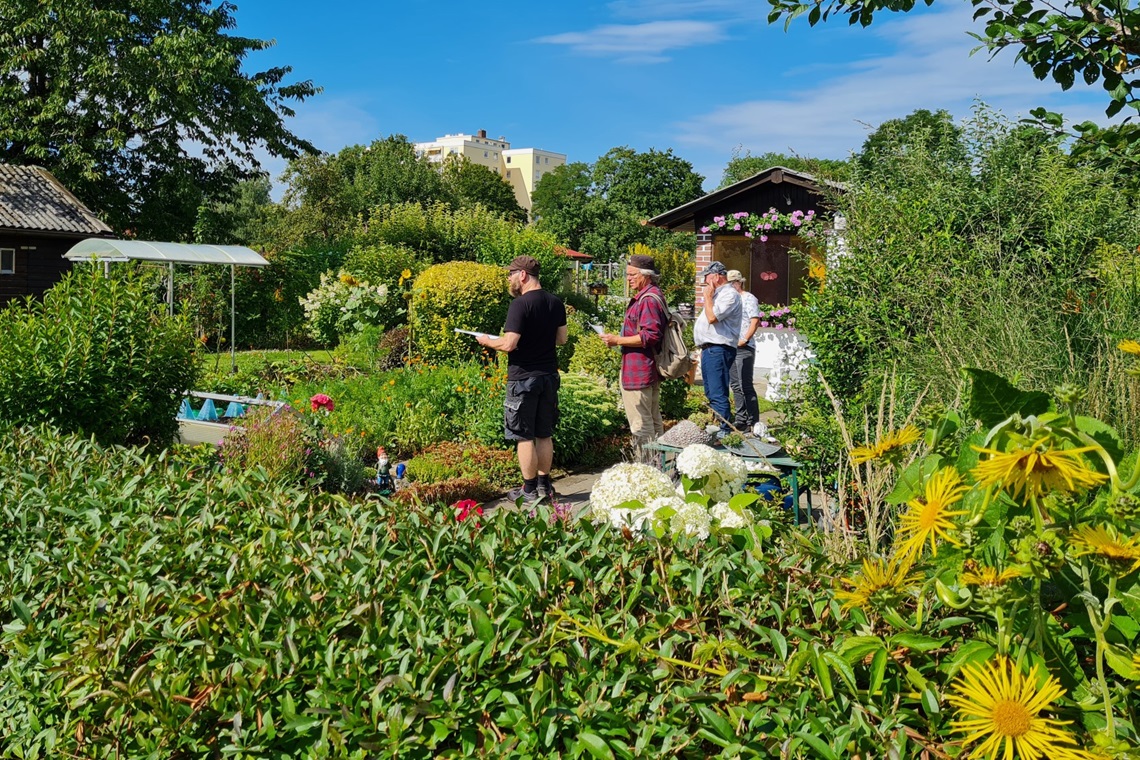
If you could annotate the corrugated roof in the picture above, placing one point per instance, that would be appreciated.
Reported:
(170, 253)
(32, 199)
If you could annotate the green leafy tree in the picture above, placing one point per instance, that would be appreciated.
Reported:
(145, 111)
(744, 165)
(471, 184)
(239, 218)
(327, 195)
(599, 209)
(934, 133)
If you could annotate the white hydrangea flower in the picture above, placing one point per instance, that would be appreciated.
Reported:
(728, 518)
(692, 519)
(627, 482)
(724, 473)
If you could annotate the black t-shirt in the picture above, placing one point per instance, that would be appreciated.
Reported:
(536, 316)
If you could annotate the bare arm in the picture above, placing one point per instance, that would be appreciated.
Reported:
(508, 342)
(559, 339)
(752, 325)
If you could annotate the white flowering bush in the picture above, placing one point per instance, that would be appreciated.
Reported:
(708, 501)
(721, 475)
(342, 305)
(625, 483)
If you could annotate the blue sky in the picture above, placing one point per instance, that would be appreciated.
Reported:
(702, 77)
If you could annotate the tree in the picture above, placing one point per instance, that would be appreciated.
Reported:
(1093, 39)
(470, 184)
(600, 209)
(647, 184)
(142, 110)
(747, 165)
(935, 133)
(327, 195)
(237, 220)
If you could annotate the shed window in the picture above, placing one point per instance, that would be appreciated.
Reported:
(7, 260)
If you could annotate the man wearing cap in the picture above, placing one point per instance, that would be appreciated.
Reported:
(716, 333)
(536, 324)
(743, 390)
(641, 334)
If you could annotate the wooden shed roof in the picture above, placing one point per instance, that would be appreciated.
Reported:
(32, 199)
(682, 217)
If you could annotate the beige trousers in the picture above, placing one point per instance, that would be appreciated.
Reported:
(643, 409)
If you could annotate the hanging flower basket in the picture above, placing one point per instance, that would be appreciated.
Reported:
(762, 225)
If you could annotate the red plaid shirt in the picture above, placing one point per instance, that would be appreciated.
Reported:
(645, 316)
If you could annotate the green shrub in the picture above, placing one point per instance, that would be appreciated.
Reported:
(446, 460)
(343, 305)
(588, 411)
(595, 358)
(679, 400)
(395, 267)
(97, 355)
(459, 294)
(275, 440)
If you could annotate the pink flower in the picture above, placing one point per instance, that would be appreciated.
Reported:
(736, 227)
(747, 234)
(704, 229)
(763, 238)
(321, 401)
(763, 324)
(466, 508)
(740, 215)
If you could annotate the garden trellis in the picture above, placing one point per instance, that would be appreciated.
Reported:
(106, 251)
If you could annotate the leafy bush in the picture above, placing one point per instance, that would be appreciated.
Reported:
(97, 355)
(342, 305)
(275, 440)
(588, 411)
(459, 294)
(593, 357)
(445, 460)
(393, 266)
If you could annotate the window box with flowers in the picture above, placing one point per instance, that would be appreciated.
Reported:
(761, 225)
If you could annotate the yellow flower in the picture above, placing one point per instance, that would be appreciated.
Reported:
(392, 381)
(893, 440)
(1000, 706)
(1129, 346)
(928, 517)
(348, 279)
(879, 578)
(1037, 470)
(989, 577)
(1104, 542)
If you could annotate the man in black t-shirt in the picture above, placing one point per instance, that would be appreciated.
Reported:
(536, 324)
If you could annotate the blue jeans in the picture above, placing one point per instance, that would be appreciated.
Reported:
(716, 369)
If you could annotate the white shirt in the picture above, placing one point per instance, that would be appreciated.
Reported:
(749, 310)
(726, 330)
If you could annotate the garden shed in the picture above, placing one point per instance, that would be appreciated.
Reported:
(770, 273)
(39, 221)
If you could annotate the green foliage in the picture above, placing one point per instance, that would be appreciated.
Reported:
(599, 209)
(343, 305)
(932, 246)
(446, 460)
(587, 411)
(595, 358)
(471, 184)
(678, 270)
(97, 355)
(144, 113)
(458, 294)
(275, 440)
(744, 165)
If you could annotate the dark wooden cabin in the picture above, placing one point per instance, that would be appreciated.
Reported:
(39, 221)
(779, 188)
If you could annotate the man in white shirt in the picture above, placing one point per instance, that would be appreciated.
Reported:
(743, 391)
(716, 333)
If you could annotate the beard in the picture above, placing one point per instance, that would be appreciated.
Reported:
(514, 289)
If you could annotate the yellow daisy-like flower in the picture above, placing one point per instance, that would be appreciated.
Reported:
(879, 578)
(990, 577)
(348, 279)
(1001, 707)
(928, 517)
(1129, 347)
(1105, 543)
(1037, 470)
(892, 441)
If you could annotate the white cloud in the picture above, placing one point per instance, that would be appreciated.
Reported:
(926, 64)
(639, 43)
(662, 9)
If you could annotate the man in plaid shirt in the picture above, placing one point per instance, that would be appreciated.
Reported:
(641, 334)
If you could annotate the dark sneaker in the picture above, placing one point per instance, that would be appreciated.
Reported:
(546, 488)
(519, 493)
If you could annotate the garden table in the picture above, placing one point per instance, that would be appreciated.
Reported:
(786, 466)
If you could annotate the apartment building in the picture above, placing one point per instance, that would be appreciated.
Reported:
(522, 167)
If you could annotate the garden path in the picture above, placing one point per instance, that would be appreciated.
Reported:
(573, 488)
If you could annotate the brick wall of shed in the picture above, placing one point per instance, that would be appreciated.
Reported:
(704, 256)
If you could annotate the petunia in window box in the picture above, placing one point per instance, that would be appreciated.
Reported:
(762, 225)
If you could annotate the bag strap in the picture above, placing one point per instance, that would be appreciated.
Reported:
(661, 301)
